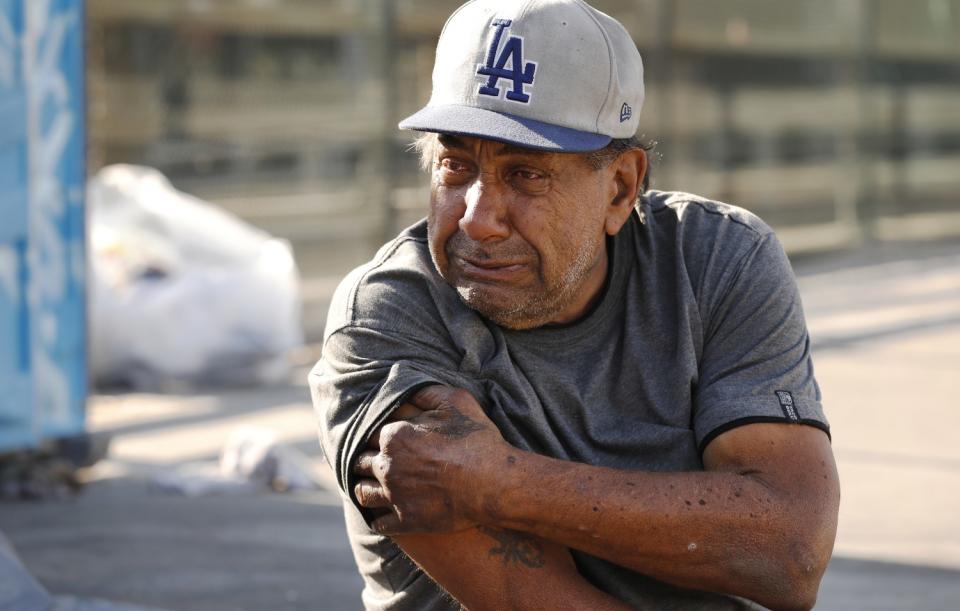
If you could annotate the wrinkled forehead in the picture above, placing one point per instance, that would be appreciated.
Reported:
(498, 148)
(432, 145)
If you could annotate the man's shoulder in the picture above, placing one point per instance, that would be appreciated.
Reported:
(400, 278)
(696, 214)
(712, 241)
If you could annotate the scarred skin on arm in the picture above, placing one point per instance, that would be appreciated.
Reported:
(759, 522)
(492, 568)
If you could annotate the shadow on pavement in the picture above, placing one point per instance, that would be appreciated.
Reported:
(903, 328)
(233, 402)
(852, 584)
(126, 544)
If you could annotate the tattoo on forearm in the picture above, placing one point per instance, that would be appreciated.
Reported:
(515, 547)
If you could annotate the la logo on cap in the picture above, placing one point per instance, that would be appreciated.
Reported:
(496, 67)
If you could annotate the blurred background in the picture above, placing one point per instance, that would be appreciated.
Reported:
(836, 121)
(158, 317)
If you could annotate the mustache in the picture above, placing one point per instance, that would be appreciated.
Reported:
(460, 245)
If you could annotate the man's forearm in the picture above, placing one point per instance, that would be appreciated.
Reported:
(486, 568)
(501, 569)
(724, 531)
(678, 527)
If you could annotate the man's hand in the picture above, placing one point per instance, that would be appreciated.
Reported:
(424, 472)
(428, 472)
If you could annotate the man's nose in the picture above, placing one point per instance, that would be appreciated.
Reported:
(485, 217)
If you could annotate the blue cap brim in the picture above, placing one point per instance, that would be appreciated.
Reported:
(482, 123)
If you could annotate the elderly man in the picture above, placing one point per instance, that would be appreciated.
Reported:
(563, 390)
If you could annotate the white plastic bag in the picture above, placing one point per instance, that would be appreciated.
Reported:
(255, 455)
(182, 291)
(252, 460)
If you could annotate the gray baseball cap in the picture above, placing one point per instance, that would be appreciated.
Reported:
(555, 75)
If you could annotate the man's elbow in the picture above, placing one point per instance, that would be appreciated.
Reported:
(801, 571)
(806, 531)
(802, 593)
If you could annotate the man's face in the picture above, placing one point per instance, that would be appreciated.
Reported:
(520, 234)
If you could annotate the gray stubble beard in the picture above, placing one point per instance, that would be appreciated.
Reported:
(539, 309)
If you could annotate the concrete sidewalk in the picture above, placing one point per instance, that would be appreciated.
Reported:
(885, 327)
(886, 330)
(125, 540)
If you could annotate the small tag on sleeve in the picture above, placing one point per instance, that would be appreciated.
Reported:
(787, 405)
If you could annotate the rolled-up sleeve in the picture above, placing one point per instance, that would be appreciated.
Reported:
(364, 374)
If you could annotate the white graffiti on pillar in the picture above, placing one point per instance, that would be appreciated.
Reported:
(8, 64)
(8, 53)
(8, 274)
(50, 124)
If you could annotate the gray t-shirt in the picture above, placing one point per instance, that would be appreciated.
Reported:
(699, 330)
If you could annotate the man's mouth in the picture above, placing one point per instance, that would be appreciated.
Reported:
(490, 270)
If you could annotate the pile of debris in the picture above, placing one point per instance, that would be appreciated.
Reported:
(50, 471)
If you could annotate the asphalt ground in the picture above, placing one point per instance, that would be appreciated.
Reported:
(885, 325)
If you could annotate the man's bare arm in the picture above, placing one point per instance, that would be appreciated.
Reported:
(487, 568)
(759, 523)
(497, 569)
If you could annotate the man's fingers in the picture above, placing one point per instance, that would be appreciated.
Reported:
(374, 441)
(431, 397)
(370, 494)
(387, 524)
(364, 464)
(406, 411)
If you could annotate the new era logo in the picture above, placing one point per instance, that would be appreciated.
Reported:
(787, 405)
(625, 112)
(520, 72)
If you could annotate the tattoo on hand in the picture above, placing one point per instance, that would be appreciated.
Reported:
(457, 426)
(515, 547)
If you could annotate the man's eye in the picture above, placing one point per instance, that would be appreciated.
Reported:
(453, 165)
(528, 175)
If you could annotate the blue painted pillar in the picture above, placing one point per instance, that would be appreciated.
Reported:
(43, 372)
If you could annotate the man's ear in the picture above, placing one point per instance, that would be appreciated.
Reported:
(628, 172)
